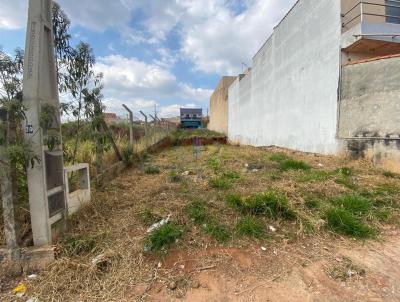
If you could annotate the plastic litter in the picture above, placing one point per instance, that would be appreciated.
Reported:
(263, 248)
(33, 276)
(159, 224)
(20, 290)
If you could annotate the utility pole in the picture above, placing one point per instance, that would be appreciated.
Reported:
(145, 122)
(130, 125)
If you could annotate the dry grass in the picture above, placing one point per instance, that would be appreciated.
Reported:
(113, 221)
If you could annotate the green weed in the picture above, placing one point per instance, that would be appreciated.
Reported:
(251, 227)
(152, 170)
(174, 177)
(214, 164)
(312, 203)
(278, 157)
(79, 244)
(355, 204)
(231, 175)
(390, 174)
(148, 218)
(219, 231)
(291, 164)
(197, 211)
(220, 182)
(315, 175)
(163, 237)
(344, 222)
(271, 203)
(234, 200)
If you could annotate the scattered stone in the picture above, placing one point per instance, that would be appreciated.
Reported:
(186, 173)
(254, 170)
(172, 285)
(272, 229)
(263, 248)
(320, 165)
(339, 259)
(159, 265)
(182, 267)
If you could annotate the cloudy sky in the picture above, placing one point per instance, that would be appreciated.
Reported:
(169, 53)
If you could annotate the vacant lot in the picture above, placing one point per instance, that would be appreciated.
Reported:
(246, 224)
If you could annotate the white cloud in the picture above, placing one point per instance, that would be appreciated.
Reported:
(142, 85)
(222, 40)
(13, 13)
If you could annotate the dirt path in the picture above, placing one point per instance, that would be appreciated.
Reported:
(242, 274)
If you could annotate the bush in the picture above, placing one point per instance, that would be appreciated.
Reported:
(152, 170)
(389, 174)
(344, 222)
(312, 203)
(355, 204)
(78, 244)
(250, 226)
(128, 155)
(164, 236)
(291, 164)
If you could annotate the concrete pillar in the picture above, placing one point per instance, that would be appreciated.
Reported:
(45, 180)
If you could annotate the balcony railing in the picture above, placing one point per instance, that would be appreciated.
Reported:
(364, 9)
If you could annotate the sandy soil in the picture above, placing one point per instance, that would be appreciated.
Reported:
(252, 274)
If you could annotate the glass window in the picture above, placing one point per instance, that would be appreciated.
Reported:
(393, 11)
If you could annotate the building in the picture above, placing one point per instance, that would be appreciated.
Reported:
(191, 118)
(110, 118)
(219, 106)
(325, 82)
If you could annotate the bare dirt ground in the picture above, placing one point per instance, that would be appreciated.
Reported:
(289, 264)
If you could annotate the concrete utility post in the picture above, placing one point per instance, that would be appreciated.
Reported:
(40, 96)
(145, 122)
(130, 125)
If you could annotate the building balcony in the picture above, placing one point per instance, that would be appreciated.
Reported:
(371, 28)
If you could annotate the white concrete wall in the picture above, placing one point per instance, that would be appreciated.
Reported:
(290, 97)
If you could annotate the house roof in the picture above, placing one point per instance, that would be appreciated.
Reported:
(197, 111)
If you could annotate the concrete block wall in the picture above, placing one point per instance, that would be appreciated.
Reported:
(219, 106)
(370, 111)
(290, 97)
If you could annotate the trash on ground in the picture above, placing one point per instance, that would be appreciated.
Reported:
(159, 224)
(272, 229)
(33, 276)
(20, 290)
(264, 248)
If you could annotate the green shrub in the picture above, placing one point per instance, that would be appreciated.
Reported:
(315, 175)
(218, 231)
(355, 204)
(291, 164)
(278, 157)
(128, 155)
(163, 237)
(251, 227)
(344, 222)
(152, 170)
(234, 201)
(197, 211)
(271, 203)
(219, 182)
